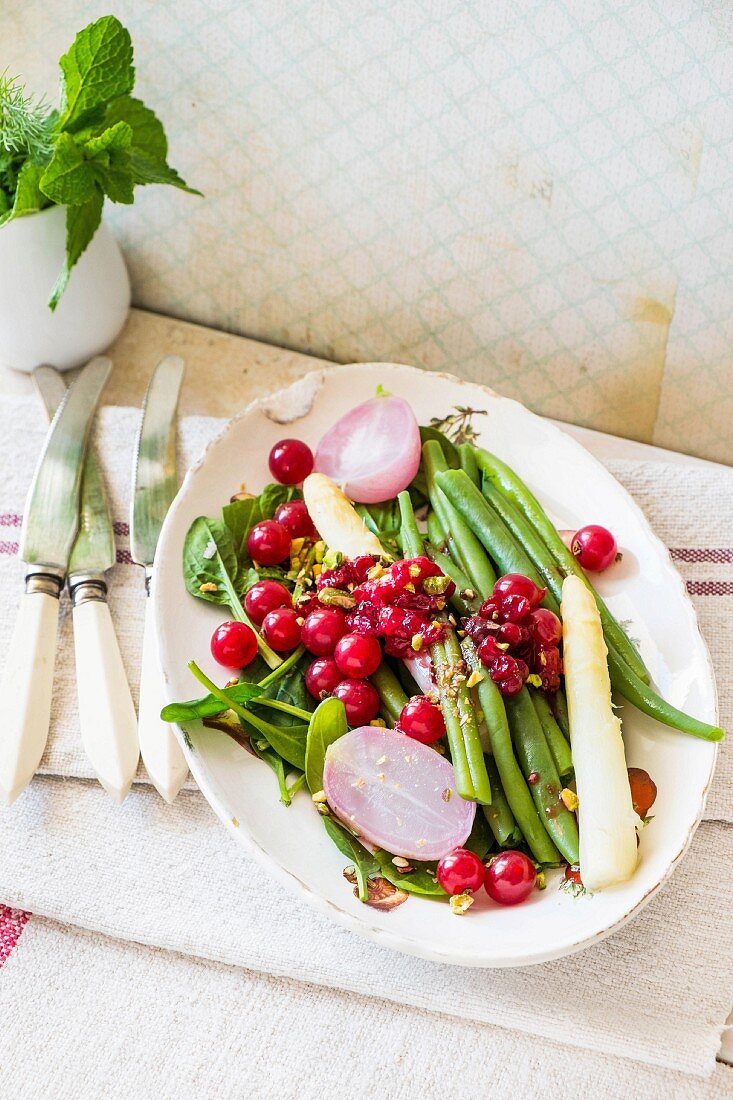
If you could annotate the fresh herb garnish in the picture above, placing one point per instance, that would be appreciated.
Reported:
(101, 143)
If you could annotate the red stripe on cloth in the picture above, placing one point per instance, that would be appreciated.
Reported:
(10, 519)
(12, 923)
(720, 555)
(710, 588)
(8, 547)
(124, 557)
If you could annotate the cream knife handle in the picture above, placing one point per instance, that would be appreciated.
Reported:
(162, 755)
(106, 712)
(27, 686)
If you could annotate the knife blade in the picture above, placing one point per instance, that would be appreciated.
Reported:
(107, 719)
(50, 524)
(155, 483)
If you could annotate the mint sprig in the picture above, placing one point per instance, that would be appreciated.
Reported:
(102, 143)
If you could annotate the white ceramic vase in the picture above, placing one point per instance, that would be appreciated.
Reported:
(92, 309)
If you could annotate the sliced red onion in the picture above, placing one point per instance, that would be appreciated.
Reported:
(372, 452)
(396, 793)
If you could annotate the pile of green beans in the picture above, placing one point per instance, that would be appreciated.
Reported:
(464, 741)
(492, 530)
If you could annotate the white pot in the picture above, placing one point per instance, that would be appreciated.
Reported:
(92, 309)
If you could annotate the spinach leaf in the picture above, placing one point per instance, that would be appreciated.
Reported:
(481, 837)
(209, 558)
(209, 705)
(364, 862)
(288, 741)
(419, 881)
(383, 520)
(273, 495)
(240, 517)
(326, 726)
(450, 450)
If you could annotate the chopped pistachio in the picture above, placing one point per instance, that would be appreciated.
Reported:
(461, 903)
(378, 722)
(319, 796)
(416, 642)
(570, 799)
(436, 586)
(209, 586)
(475, 678)
(334, 597)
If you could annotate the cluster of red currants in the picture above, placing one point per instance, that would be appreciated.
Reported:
(509, 878)
(515, 637)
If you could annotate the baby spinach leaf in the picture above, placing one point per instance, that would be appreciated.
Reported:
(240, 517)
(273, 495)
(327, 724)
(481, 837)
(419, 881)
(364, 862)
(209, 705)
(209, 558)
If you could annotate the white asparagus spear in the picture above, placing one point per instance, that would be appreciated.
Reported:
(606, 818)
(339, 524)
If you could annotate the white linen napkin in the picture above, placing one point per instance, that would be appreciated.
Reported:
(170, 876)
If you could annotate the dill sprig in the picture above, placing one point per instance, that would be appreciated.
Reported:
(25, 120)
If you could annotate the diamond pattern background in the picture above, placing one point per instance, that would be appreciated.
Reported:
(535, 194)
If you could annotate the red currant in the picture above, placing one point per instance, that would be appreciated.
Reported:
(322, 677)
(281, 629)
(322, 629)
(460, 871)
(358, 655)
(234, 644)
(361, 700)
(545, 627)
(290, 461)
(268, 542)
(294, 516)
(516, 584)
(421, 720)
(594, 547)
(510, 878)
(264, 597)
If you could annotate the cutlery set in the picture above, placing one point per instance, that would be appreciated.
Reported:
(67, 538)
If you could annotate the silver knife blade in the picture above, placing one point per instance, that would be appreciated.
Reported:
(93, 552)
(155, 482)
(51, 517)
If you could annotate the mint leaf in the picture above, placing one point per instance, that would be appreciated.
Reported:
(110, 159)
(69, 178)
(97, 68)
(28, 196)
(82, 223)
(148, 135)
(149, 144)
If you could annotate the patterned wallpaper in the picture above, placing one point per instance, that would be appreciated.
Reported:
(536, 195)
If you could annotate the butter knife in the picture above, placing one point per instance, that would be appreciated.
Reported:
(155, 483)
(107, 719)
(50, 524)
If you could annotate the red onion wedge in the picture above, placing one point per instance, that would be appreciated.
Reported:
(396, 793)
(372, 452)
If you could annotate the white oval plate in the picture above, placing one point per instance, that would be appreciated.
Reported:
(644, 589)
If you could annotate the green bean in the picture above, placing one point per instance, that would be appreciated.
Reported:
(512, 486)
(472, 781)
(554, 736)
(464, 599)
(436, 534)
(467, 453)
(490, 528)
(454, 686)
(524, 534)
(560, 710)
(539, 769)
(463, 544)
(499, 815)
(635, 691)
(512, 780)
(391, 695)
